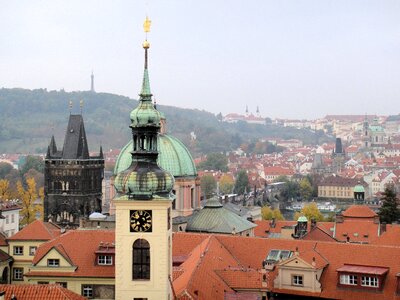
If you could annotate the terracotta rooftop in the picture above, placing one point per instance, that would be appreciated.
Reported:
(37, 230)
(83, 257)
(359, 211)
(221, 254)
(42, 292)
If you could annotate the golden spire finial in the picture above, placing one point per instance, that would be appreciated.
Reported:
(146, 27)
(146, 24)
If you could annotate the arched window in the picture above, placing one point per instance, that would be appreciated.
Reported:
(141, 260)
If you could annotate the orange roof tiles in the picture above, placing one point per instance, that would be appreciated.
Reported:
(83, 257)
(359, 211)
(42, 292)
(241, 278)
(249, 253)
(37, 230)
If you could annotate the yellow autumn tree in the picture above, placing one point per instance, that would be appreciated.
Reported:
(28, 197)
(226, 184)
(268, 214)
(5, 192)
(310, 211)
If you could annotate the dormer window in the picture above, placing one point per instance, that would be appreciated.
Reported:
(371, 281)
(362, 277)
(104, 260)
(53, 262)
(348, 279)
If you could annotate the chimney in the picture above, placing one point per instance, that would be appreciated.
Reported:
(383, 227)
(339, 218)
(273, 224)
(313, 223)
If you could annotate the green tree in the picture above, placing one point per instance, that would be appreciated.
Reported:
(5, 169)
(32, 162)
(268, 214)
(305, 188)
(242, 182)
(310, 211)
(28, 197)
(215, 161)
(389, 211)
(226, 184)
(5, 193)
(208, 185)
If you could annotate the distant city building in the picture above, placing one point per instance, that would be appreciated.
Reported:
(248, 117)
(9, 217)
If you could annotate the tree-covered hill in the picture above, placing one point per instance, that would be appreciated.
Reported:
(28, 118)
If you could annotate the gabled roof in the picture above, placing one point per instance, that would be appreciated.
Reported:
(251, 252)
(42, 292)
(359, 211)
(82, 256)
(37, 230)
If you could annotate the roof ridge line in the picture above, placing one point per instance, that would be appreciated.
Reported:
(208, 239)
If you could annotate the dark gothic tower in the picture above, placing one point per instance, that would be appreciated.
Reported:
(72, 177)
(338, 156)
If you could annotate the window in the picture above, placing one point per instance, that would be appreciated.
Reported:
(7, 219)
(348, 279)
(63, 284)
(43, 282)
(18, 250)
(104, 260)
(32, 250)
(18, 273)
(297, 280)
(369, 281)
(12, 218)
(87, 291)
(51, 262)
(141, 260)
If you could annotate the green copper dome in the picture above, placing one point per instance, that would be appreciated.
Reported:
(359, 189)
(173, 157)
(144, 182)
(302, 219)
(145, 115)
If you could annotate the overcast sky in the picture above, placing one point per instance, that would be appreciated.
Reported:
(294, 59)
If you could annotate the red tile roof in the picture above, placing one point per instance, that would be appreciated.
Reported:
(83, 257)
(363, 269)
(42, 292)
(37, 230)
(213, 253)
(3, 240)
(359, 211)
(241, 278)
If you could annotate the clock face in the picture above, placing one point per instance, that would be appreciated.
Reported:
(140, 221)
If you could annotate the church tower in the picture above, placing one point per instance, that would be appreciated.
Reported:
(143, 230)
(72, 178)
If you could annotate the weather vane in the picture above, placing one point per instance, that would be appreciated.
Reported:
(146, 25)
